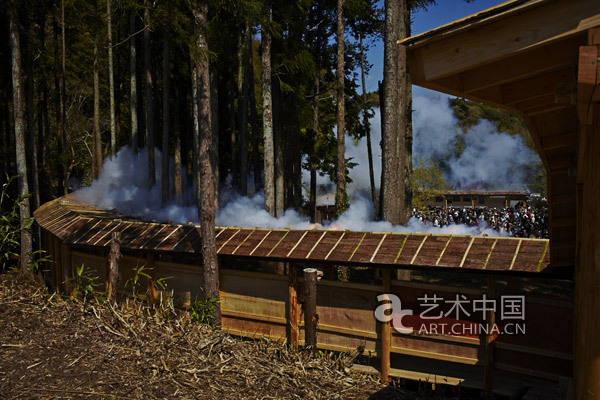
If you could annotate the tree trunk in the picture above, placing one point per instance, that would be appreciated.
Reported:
(269, 151)
(313, 157)
(111, 84)
(279, 143)
(366, 121)
(406, 94)
(177, 151)
(26, 242)
(97, 141)
(214, 119)
(341, 198)
(243, 110)
(133, 100)
(165, 131)
(149, 105)
(35, 195)
(396, 109)
(63, 93)
(58, 109)
(382, 124)
(203, 144)
(253, 116)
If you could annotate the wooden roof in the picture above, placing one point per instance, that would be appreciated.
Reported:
(77, 223)
(522, 56)
(485, 193)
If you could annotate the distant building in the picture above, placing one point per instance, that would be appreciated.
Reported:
(479, 198)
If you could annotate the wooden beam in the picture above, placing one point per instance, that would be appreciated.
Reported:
(554, 142)
(537, 86)
(588, 90)
(488, 371)
(522, 65)
(386, 331)
(293, 321)
(502, 36)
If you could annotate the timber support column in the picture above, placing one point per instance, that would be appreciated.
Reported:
(311, 318)
(586, 362)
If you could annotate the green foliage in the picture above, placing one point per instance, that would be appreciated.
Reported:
(140, 272)
(468, 114)
(83, 284)
(203, 310)
(10, 224)
(427, 182)
(134, 282)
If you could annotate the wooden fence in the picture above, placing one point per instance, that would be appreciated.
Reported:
(260, 304)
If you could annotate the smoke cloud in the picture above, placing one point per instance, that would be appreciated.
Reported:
(489, 156)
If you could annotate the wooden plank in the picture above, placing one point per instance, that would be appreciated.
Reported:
(378, 247)
(418, 250)
(243, 241)
(293, 321)
(538, 60)
(261, 242)
(386, 329)
(500, 38)
(537, 86)
(512, 263)
(488, 370)
(466, 252)
(559, 141)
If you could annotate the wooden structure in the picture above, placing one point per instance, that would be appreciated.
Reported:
(539, 58)
(79, 224)
(256, 302)
(479, 198)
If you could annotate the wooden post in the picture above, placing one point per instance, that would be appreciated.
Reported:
(293, 322)
(586, 357)
(386, 331)
(311, 318)
(113, 266)
(488, 371)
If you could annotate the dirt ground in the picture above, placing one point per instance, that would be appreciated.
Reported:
(56, 348)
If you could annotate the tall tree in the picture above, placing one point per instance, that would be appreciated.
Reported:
(25, 214)
(96, 139)
(253, 115)
(269, 150)
(63, 92)
(243, 108)
(396, 110)
(35, 195)
(341, 198)
(149, 99)
(111, 83)
(165, 131)
(133, 100)
(365, 21)
(203, 144)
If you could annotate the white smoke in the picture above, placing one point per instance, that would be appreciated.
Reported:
(122, 186)
(489, 156)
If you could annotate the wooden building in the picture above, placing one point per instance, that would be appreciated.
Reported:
(479, 198)
(540, 58)
(256, 302)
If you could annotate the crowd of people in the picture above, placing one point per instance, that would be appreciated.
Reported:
(519, 221)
